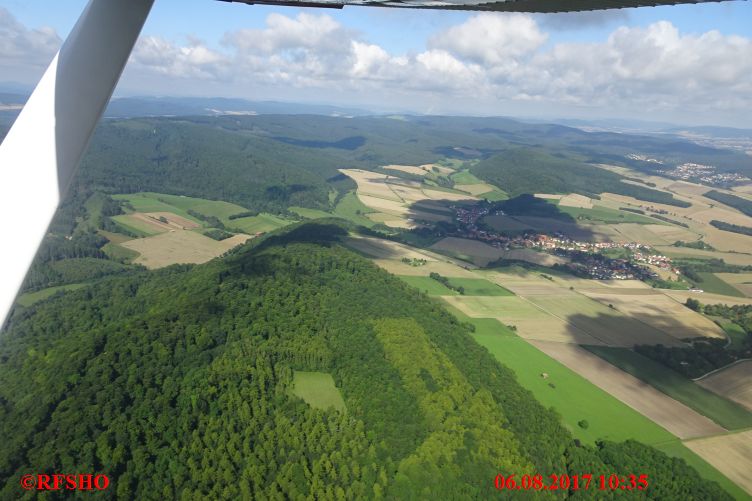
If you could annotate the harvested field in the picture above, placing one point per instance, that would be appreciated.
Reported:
(445, 195)
(658, 407)
(410, 169)
(531, 322)
(180, 246)
(371, 183)
(477, 252)
(660, 312)
(440, 168)
(575, 200)
(384, 205)
(481, 253)
(731, 454)
(705, 297)
(599, 321)
(734, 383)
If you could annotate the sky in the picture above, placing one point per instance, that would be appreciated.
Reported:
(689, 64)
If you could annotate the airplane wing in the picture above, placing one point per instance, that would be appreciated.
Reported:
(541, 6)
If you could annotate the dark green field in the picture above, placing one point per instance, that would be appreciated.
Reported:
(724, 412)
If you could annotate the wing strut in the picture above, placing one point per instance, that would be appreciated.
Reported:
(42, 150)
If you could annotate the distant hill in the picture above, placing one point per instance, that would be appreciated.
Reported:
(129, 107)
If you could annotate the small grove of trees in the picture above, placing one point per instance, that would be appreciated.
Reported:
(446, 283)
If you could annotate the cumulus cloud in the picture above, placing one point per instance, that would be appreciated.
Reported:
(20, 45)
(487, 59)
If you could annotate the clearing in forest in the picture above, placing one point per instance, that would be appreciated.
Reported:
(318, 390)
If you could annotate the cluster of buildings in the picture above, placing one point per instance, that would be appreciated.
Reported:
(643, 158)
(585, 258)
(704, 174)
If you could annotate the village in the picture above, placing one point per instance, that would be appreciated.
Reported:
(587, 259)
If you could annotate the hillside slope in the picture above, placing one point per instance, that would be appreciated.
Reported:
(177, 384)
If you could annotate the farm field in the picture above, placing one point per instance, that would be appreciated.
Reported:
(150, 202)
(724, 412)
(705, 297)
(317, 389)
(731, 454)
(716, 285)
(138, 226)
(309, 213)
(352, 209)
(440, 267)
(465, 177)
(739, 281)
(385, 249)
(482, 254)
(672, 415)
(409, 169)
(479, 287)
(530, 321)
(706, 470)
(734, 382)
(262, 223)
(179, 246)
(119, 253)
(580, 313)
(659, 311)
(30, 298)
(475, 189)
(428, 285)
(217, 208)
(599, 321)
(601, 214)
(573, 396)
(736, 258)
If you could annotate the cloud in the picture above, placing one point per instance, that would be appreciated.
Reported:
(489, 61)
(491, 39)
(20, 45)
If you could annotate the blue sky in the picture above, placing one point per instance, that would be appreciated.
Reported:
(684, 63)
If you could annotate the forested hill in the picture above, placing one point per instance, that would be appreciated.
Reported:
(177, 384)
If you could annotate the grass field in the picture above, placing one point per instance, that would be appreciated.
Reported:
(136, 226)
(120, 253)
(149, 202)
(262, 223)
(309, 213)
(483, 326)
(573, 397)
(428, 285)
(352, 209)
(30, 298)
(712, 283)
(479, 287)
(736, 334)
(605, 215)
(724, 412)
(222, 210)
(465, 177)
(318, 390)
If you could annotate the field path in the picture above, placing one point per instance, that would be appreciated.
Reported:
(674, 416)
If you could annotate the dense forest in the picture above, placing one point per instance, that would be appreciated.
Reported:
(741, 204)
(527, 170)
(176, 384)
